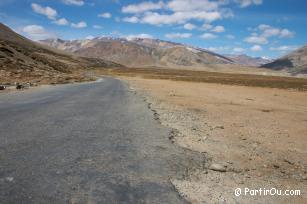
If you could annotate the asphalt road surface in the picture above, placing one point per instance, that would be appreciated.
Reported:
(86, 143)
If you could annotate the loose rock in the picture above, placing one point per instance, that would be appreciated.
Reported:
(288, 161)
(9, 179)
(217, 167)
(276, 166)
(19, 86)
(2, 87)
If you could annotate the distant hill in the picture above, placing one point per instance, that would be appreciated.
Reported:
(248, 61)
(24, 60)
(295, 62)
(139, 52)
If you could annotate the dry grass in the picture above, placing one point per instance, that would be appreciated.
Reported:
(211, 77)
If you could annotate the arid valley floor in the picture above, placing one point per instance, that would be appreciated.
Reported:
(258, 136)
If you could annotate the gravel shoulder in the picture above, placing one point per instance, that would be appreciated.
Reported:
(253, 137)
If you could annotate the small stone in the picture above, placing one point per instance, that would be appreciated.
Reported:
(288, 161)
(205, 172)
(2, 87)
(237, 170)
(276, 166)
(172, 93)
(241, 182)
(9, 179)
(217, 167)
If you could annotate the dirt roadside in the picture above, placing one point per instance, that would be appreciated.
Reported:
(253, 137)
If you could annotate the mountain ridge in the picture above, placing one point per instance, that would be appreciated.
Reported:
(143, 51)
(243, 59)
(155, 52)
(24, 60)
(294, 62)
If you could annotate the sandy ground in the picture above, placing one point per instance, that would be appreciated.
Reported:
(253, 138)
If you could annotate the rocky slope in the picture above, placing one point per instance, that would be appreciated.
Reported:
(248, 61)
(138, 52)
(24, 60)
(295, 62)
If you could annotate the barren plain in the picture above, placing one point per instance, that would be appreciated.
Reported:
(253, 137)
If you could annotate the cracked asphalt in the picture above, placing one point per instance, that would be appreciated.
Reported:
(86, 143)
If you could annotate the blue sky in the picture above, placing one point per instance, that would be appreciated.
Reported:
(268, 28)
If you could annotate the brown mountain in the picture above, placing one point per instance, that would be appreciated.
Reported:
(24, 60)
(140, 52)
(248, 61)
(295, 62)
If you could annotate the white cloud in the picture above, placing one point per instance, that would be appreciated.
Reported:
(256, 40)
(262, 27)
(74, 2)
(142, 35)
(105, 15)
(246, 3)
(185, 5)
(285, 33)
(256, 48)
(81, 24)
(284, 48)
(142, 7)
(192, 5)
(132, 19)
(230, 37)
(208, 36)
(97, 26)
(46, 11)
(189, 26)
(61, 21)
(270, 31)
(238, 50)
(37, 32)
(218, 29)
(178, 35)
(179, 17)
(263, 33)
(207, 26)
(177, 11)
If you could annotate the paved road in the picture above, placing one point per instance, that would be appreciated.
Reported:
(86, 143)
